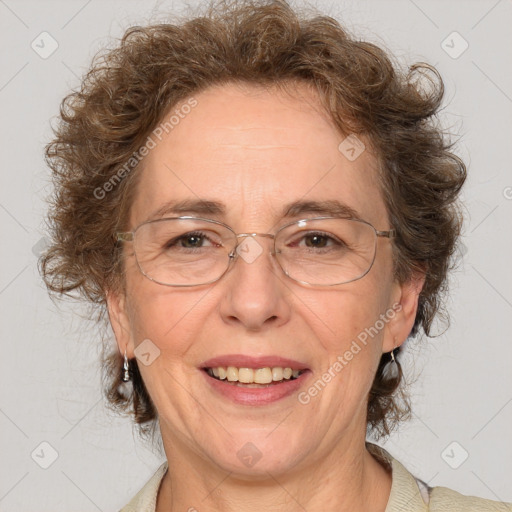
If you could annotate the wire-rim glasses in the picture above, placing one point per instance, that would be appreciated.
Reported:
(193, 251)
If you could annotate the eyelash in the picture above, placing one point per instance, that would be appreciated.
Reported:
(174, 241)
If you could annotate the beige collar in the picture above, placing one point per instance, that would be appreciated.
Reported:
(405, 494)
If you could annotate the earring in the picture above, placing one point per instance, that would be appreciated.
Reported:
(392, 370)
(126, 368)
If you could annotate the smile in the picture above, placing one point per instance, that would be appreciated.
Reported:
(258, 376)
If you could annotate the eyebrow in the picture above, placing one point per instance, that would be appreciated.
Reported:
(190, 206)
(327, 208)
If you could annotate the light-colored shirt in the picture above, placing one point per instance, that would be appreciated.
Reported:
(408, 493)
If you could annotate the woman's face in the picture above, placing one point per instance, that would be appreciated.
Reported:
(255, 153)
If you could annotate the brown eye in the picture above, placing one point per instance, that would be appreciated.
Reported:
(318, 241)
(192, 241)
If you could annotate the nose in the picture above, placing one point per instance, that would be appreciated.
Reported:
(256, 296)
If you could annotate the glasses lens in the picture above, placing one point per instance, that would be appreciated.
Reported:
(183, 252)
(326, 251)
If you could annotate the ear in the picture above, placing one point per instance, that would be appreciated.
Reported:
(119, 320)
(404, 303)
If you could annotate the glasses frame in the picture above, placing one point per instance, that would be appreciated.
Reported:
(129, 236)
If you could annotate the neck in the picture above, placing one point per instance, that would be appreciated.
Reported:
(346, 479)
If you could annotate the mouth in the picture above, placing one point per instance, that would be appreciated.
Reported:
(254, 380)
(263, 377)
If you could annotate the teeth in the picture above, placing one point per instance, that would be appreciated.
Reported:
(253, 376)
(277, 373)
(245, 375)
(232, 373)
(262, 376)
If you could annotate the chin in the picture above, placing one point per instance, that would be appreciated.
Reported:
(249, 456)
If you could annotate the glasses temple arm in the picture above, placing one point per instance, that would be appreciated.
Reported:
(127, 236)
(387, 234)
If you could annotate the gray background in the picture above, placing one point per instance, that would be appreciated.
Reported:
(50, 388)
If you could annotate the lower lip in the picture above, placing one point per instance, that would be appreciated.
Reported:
(256, 396)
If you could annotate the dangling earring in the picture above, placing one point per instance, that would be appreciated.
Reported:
(392, 369)
(126, 368)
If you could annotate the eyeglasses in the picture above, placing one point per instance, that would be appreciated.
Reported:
(192, 251)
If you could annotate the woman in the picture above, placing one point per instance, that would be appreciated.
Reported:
(267, 212)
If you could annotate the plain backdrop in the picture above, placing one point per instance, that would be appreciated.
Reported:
(460, 434)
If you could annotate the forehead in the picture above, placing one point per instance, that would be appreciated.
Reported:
(255, 150)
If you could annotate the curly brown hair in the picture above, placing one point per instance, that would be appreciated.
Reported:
(129, 88)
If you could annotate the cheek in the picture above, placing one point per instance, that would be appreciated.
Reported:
(341, 316)
(349, 332)
(350, 351)
(167, 324)
(169, 317)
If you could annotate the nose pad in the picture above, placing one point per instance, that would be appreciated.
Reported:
(249, 249)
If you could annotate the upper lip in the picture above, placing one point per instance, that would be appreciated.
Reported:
(245, 361)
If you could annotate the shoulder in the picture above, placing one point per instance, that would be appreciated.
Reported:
(443, 499)
(411, 494)
(145, 499)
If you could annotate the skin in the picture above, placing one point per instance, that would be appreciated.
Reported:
(254, 150)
